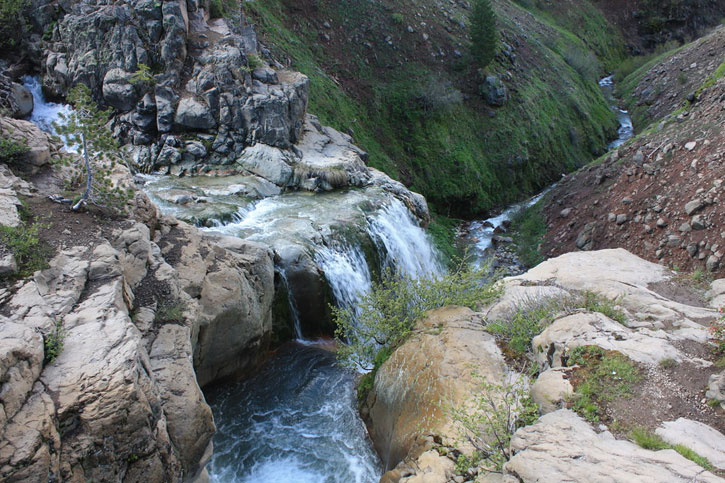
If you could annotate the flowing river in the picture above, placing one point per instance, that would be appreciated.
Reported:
(296, 420)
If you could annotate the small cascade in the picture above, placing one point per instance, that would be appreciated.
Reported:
(292, 307)
(406, 246)
(45, 113)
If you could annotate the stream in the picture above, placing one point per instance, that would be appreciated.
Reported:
(296, 420)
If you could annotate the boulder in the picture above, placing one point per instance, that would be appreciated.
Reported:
(701, 438)
(268, 162)
(23, 101)
(551, 390)
(716, 388)
(118, 90)
(193, 113)
(41, 148)
(428, 372)
(494, 91)
(563, 447)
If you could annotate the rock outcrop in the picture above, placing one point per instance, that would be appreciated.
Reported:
(663, 322)
(101, 350)
(561, 446)
(431, 372)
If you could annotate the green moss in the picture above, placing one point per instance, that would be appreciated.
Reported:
(463, 160)
(443, 232)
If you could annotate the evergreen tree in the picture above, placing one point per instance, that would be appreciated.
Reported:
(484, 35)
(85, 129)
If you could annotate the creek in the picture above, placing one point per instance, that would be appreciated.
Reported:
(296, 420)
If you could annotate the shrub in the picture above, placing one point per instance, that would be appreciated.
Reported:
(12, 25)
(11, 151)
(489, 420)
(529, 320)
(24, 243)
(717, 330)
(398, 18)
(53, 342)
(484, 36)
(387, 314)
(582, 61)
(143, 76)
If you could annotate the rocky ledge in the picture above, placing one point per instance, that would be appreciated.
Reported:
(662, 330)
(105, 350)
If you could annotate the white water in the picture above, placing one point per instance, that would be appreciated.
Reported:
(294, 312)
(406, 246)
(347, 272)
(626, 129)
(46, 113)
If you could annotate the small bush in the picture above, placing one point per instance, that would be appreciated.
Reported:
(170, 313)
(54, 342)
(24, 243)
(398, 18)
(489, 420)
(143, 76)
(529, 320)
(11, 151)
(12, 25)
(597, 303)
(717, 331)
(387, 314)
(668, 363)
(529, 227)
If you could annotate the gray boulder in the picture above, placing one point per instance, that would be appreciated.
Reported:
(118, 90)
(193, 113)
(494, 91)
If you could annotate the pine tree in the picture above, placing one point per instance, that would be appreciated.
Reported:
(484, 35)
(85, 128)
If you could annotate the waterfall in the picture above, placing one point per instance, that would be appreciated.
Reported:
(46, 113)
(347, 272)
(405, 245)
(292, 306)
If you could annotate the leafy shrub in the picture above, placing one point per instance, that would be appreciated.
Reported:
(24, 243)
(717, 330)
(12, 25)
(11, 151)
(54, 342)
(398, 18)
(529, 228)
(529, 320)
(489, 420)
(387, 314)
(143, 76)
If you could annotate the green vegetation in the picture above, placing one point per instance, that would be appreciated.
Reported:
(604, 376)
(668, 363)
(23, 241)
(413, 122)
(484, 33)
(12, 152)
(717, 331)
(649, 440)
(53, 342)
(398, 18)
(170, 313)
(85, 128)
(443, 232)
(489, 420)
(533, 316)
(12, 24)
(529, 320)
(528, 228)
(642, 63)
(386, 316)
(143, 76)
(712, 78)
(222, 8)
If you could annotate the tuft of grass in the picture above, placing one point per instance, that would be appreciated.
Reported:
(595, 302)
(23, 241)
(53, 342)
(668, 363)
(605, 376)
(170, 313)
(529, 320)
(12, 152)
(649, 440)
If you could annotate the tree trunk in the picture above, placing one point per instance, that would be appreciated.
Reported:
(89, 177)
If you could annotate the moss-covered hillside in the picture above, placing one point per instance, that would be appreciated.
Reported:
(397, 76)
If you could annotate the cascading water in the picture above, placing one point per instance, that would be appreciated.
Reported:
(294, 312)
(346, 270)
(45, 113)
(405, 244)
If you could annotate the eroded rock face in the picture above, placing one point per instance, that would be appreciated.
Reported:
(141, 318)
(430, 371)
(563, 447)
